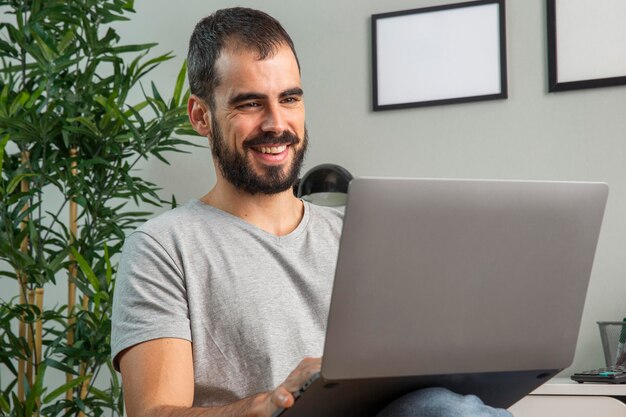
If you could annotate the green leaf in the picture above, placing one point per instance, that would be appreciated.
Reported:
(18, 103)
(134, 110)
(46, 47)
(128, 5)
(99, 394)
(34, 96)
(61, 366)
(155, 93)
(65, 387)
(57, 261)
(15, 181)
(24, 211)
(4, 404)
(8, 274)
(84, 266)
(3, 144)
(178, 88)
(7, 49)
(131, 48)
(4, 99)
(16, 401)
(109, 268)
(87, 123)
(36, 391)
(66, 39)
(149, 65)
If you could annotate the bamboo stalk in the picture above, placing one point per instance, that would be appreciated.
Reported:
(84, 389)
(21, 365)
(73, 269)
(84, 386)
(39, 326)
(31, 344)
(39, 292)
(23, 282)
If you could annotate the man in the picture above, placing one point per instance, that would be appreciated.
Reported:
(221, 305)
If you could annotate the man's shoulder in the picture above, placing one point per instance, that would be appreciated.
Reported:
(180, 220)
(334, 214)
(171, 218)
(174, 232)
(325, 218)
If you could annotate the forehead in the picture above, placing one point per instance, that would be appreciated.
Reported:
(240, 69)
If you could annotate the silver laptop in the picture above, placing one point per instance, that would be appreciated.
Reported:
(473, 285)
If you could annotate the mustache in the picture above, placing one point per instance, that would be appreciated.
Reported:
(286, 138)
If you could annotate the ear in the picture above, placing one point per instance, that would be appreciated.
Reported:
(199, 115)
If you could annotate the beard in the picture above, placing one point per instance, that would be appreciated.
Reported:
(238, 170)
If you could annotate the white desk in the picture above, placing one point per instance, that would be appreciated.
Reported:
(562, 397)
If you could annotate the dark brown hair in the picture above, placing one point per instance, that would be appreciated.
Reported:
(233, 27)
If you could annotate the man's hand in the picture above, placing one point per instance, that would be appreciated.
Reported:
(282, 396)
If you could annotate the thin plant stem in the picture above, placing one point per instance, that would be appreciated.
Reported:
(72, 268)
(24, 363)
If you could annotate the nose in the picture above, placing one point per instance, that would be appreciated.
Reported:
(274, 120)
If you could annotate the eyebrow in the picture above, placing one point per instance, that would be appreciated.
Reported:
(245, 97)
(297, 91)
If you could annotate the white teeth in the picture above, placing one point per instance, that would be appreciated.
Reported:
(273, 149)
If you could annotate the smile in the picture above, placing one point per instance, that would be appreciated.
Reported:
(273, 150)
(271, 154)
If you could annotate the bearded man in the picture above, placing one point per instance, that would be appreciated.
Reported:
(221, 304)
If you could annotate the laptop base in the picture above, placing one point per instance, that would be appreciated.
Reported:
(367, 397)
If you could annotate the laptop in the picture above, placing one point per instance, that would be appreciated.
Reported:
(477, 286)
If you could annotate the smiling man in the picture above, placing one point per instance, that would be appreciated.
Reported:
(221, 305)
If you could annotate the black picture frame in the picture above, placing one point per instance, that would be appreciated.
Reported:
(580, 34)
(407, 45)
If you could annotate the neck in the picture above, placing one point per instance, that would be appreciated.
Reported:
(278, 214)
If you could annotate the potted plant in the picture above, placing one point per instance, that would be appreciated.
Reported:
(70, 141)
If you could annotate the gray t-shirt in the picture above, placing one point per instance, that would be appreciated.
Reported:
(252, 304)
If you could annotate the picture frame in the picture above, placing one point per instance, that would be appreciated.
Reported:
(586, 44)
(446, 54)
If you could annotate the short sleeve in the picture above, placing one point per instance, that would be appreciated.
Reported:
(150, 300)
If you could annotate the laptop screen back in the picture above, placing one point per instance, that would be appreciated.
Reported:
(460, 276)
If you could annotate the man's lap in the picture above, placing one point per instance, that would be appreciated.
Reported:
(440, 402)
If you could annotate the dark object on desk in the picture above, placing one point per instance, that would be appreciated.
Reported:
(325, 178)
(324, 185)
(613, 335)
(611, 375)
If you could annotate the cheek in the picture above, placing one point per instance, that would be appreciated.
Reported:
(237, 134)
(296, 123)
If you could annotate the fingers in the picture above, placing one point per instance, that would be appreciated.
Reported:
(303, 372)
(282, 398)
(282, 395)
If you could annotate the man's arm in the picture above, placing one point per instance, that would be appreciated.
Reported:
(158, 382)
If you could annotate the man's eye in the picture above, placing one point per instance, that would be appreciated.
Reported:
(249, 105)
(291, 100)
